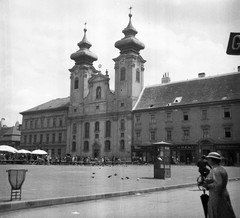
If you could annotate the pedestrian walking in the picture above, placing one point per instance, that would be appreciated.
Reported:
(203, 167)
(219, 204)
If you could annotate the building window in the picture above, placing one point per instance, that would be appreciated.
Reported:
(108, 129)
(74, 137)
(48, 122)
(152, 118)
(123, 74)
(53, 152)
(152, 135)
(74, 128)
(204, 114)
(227, 113)
(76, 82)
(25, 139)
(169, 116)
(122, 125)
(47, 138)
(54, 122)
(107, 145)
(86, 135)
(30, 139)
(97, 107)
(41, 138)
(35, 139)
(138, 135)
(122, 134)
(228, 132)
(36, 124)
(97, 126)
(205, 133)
(137, 118)
(42, 123)
(185, 116)
(186, 134)
(59, 137)
(98, 92)
(138, 75)
(53, 138)
(122, 104)
(73, 146)
(31, 124)
(122, 145)
(96, 136)
(59, 151)
(169, 135)
(86, 146)
(60, 122)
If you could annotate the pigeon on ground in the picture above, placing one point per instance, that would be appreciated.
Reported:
(115, 174)
(127, 177)
(109, 176)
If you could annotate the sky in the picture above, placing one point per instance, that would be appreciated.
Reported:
(37, 37)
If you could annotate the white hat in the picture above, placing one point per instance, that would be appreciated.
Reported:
(214, 155)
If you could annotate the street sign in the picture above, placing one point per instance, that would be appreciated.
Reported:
(234, 44)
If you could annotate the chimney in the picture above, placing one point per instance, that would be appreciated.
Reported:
(201, 75)
(166, 78)
(2, 123)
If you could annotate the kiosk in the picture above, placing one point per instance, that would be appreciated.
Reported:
(162, 160)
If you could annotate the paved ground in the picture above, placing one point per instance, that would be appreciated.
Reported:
(181, 203)
(53, 182)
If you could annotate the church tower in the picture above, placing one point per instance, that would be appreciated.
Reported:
(80, 74)
(129, 68)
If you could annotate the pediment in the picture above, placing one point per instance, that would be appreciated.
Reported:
(99, 78)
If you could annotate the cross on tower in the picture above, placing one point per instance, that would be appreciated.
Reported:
(130, 9)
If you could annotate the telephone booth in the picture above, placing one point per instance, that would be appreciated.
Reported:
(162, 160)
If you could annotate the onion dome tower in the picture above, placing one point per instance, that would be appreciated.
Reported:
(84, 55)
(129, 68)
(81, 72)
(129, 43)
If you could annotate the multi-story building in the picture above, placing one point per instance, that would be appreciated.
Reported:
(196, 116)
(96, 121)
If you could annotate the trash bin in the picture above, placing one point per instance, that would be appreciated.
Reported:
(162, 167)
(16, 178)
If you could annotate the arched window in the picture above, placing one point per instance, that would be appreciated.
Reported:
(76, 82)
(97, 126)
(122, 145)
(73, 146)
(138, 75)
(86, 130)
(86, 146)
(108, 129)
(98, 92)
(123, 74)
(107, 145)
(122, 126)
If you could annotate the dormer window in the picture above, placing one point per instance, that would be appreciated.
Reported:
(177, 100)
(76, 82)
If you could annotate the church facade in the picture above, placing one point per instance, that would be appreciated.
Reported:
(94, 121)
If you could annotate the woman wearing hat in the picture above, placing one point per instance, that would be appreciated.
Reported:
(219, 204)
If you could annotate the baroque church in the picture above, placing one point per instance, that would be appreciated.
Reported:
(94, 121)
(195, 116)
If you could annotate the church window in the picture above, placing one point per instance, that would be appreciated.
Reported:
(122, 126)
(76, 82)
(86, 130)
(86, 146)
(74, 128)
(122, 145)
(123, 74)
(98, 92)
(73, 146)
(97, 126)
(107, 145)
(108, 129)
(138, 75)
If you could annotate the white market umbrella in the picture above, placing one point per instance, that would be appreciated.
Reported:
(24, 151)
(162, 143)
(8, 148)
(39, 151)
